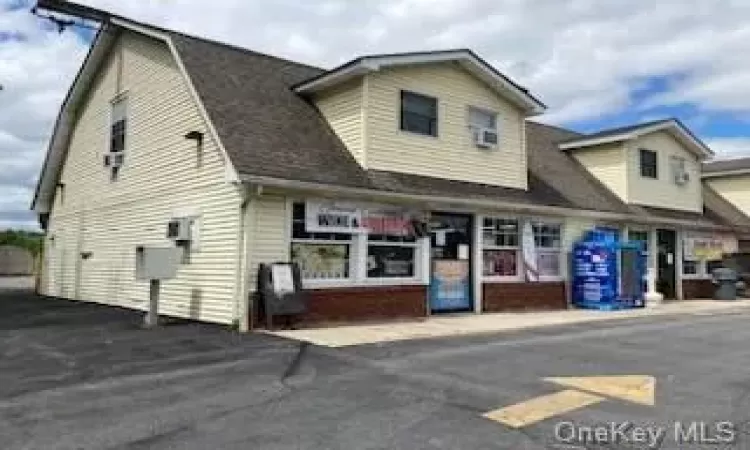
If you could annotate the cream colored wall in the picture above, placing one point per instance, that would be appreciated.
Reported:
(342, 107)
(735, 189)
(663, 192)
(452, 154)
(269, 230)
(607, 163)
(161, 176)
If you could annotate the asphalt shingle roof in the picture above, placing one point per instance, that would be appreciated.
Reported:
(269, 130)
(265, 127)
(726, 165)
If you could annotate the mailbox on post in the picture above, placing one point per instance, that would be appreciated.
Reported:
(155, 264)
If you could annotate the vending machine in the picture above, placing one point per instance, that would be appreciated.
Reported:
(608, 274)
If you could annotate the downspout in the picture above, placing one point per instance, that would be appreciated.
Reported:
(241, 300)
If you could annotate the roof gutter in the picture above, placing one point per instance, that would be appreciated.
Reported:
(725, 173)
(324, 188)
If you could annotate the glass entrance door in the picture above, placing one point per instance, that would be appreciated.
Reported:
(450, 281)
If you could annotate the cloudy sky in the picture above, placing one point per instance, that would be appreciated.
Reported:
(595, 63)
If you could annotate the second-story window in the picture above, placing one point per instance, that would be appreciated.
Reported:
(483, 127)
(481, 118)
(648, 164)
(419, 113)
(118, 126)
(115, 156)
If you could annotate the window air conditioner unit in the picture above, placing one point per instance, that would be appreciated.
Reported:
(114, 159)
(681, 178)
(486, 137)
(179, 229)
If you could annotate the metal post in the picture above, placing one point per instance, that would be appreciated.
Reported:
(152, 317)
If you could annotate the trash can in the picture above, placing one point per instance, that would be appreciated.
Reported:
(726, 284)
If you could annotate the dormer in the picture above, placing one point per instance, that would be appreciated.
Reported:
(656, 164)
(731, 179)
(446, 114)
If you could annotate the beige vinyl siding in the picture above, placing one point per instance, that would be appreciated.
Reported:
(452, 154)
(342, 108)
(268, 231)
(161, 178)
(735, 189)
(663, 192)
(607, 163)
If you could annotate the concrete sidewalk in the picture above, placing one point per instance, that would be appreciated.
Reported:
(461, 325)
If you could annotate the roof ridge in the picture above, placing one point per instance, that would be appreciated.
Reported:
(235, 47)
(634, 125)
(556, 127)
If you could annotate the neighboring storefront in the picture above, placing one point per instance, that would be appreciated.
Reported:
(684, 259)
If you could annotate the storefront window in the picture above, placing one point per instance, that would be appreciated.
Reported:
(700, 268)
(391, 256)
(320, 255)
(500, 240)
(548, 239)
(639, 236)
(690, 267)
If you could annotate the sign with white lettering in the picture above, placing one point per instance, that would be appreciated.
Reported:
(323, 216)
(282, 278)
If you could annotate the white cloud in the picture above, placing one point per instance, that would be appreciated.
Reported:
(734, 147)
(584, 58)
(36, 68)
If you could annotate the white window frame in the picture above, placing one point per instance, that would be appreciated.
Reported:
(122, 97)
(358, 259)
(351, 242)
(560, 249)
(417, 259)
(679, 164)
(519, 254)
(474, 128)
(702, 273)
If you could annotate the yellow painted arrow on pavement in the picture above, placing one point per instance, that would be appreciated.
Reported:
(633, 388)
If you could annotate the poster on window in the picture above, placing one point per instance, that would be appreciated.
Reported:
(322, 216)
(703, 248)
(449, 287)
(321, 261)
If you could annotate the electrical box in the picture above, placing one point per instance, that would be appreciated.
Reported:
(157, 263)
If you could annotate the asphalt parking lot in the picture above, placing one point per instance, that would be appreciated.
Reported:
(80, 376)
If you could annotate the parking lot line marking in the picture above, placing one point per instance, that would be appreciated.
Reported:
(541, 408)
(633, 388)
